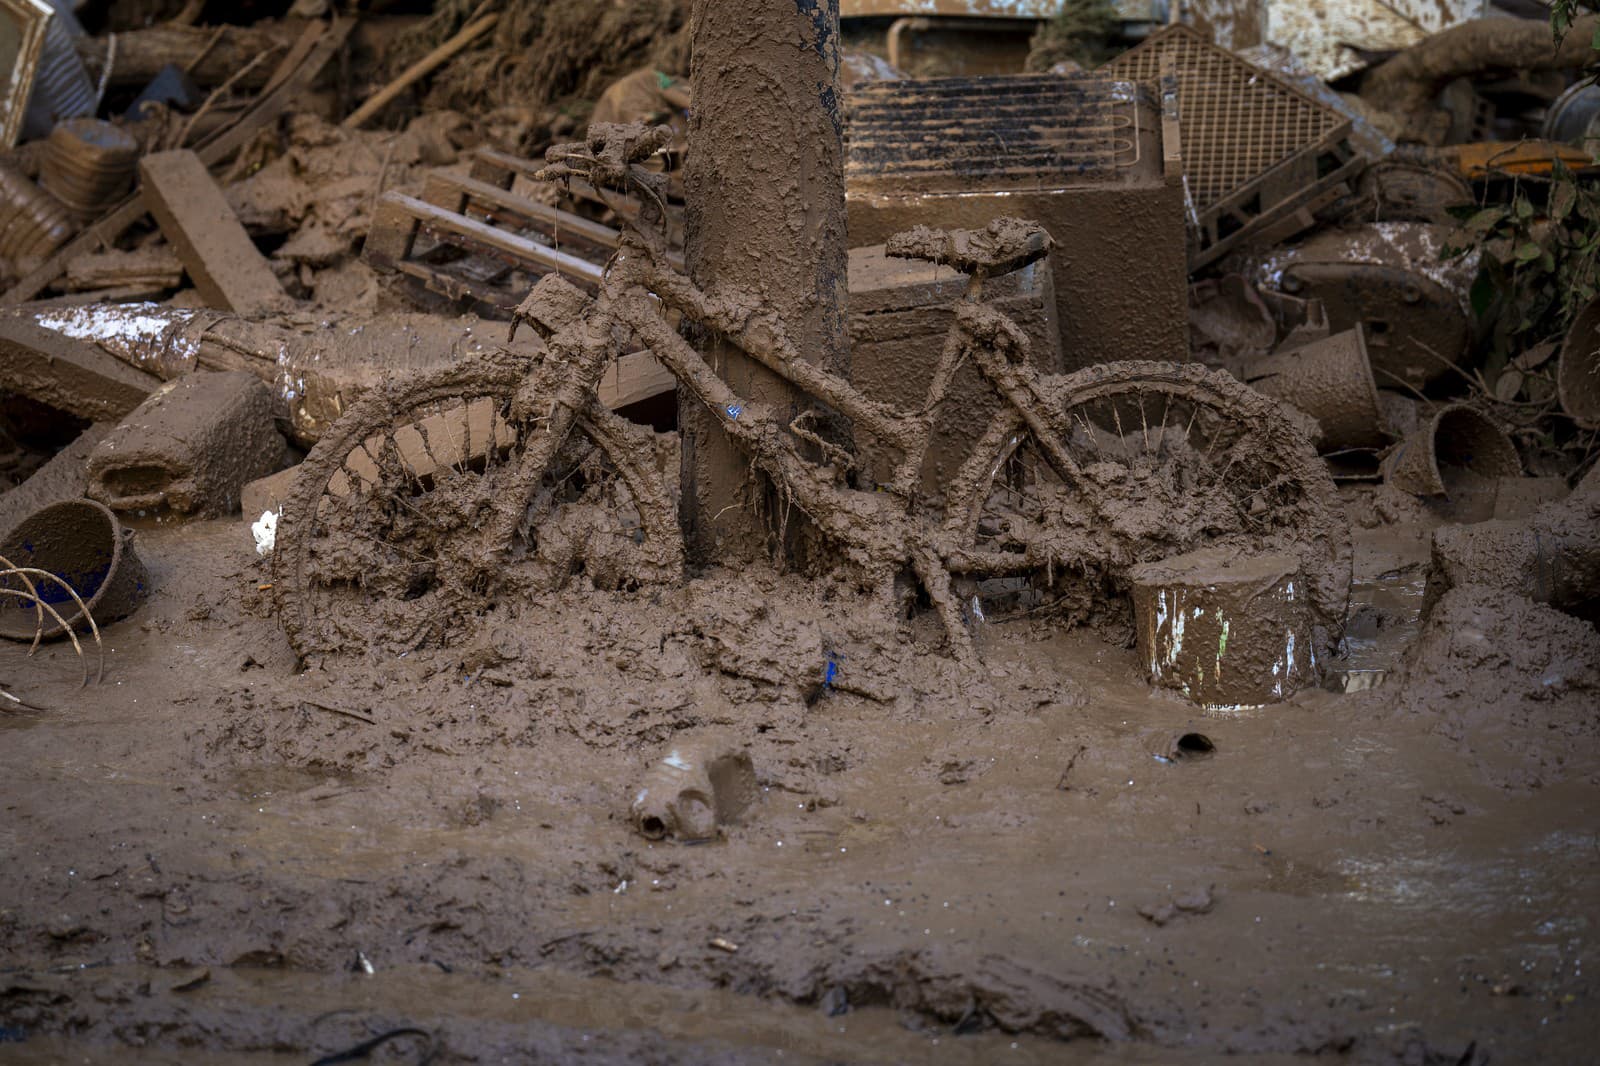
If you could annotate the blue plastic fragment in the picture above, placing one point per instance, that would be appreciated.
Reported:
(734, 410)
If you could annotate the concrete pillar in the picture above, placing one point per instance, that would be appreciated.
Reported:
(764, 184)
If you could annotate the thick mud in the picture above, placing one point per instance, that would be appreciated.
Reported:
(218, 854)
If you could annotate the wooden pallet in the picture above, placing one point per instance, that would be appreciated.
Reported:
(471, 238)
(476, 237)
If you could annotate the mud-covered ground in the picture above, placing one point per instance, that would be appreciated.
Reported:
(211, 854)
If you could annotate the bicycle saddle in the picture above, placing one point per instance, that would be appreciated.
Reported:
(1004, 245)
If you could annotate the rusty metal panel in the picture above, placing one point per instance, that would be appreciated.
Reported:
(950, 135)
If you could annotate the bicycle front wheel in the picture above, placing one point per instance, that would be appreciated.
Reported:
(386, 543)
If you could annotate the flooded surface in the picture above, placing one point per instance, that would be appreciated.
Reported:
(211, 850)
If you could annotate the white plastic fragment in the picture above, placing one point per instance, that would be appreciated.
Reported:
(265, 531)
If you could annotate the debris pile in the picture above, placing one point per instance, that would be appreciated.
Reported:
(816, 427)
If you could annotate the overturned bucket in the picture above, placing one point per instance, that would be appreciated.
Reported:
(82, 544)
(1455, 438)
(1578, 373)
(1330, 380)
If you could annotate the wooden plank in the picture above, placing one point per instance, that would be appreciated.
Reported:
(420, 69)
(455, 192)
(194, 216)
(65, 371)
(479, 236)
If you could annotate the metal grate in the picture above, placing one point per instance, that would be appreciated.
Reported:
(1238, 121)
(966, 132)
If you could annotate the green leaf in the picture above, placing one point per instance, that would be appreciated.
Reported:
(1528, 251)
(1523, 207)
(1562, 199)
(1485, 220)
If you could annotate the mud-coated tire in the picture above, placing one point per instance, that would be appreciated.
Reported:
(1273, 494)
(494, 382)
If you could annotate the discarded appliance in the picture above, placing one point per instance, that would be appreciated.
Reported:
(1259, 156)
(188, 450)
(701, 783)
(91, 571)
(1224, 630)
(1330, 380)
(1090, 157)
(1457, 441)
(1394, 279)
(1578, 372)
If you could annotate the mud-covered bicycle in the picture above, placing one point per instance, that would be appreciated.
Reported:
(491, 481)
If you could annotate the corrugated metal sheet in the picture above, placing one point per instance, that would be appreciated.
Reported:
(62, 88)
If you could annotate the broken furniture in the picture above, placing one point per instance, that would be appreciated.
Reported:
(1088, 156)
(470, 238)
(187, 451)
(1260, 157)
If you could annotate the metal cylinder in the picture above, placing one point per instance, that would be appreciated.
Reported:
(764, 188)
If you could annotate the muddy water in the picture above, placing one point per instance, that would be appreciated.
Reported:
(1018, 859)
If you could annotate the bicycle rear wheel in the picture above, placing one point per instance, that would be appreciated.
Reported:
(1170, 458)
(384, 544)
